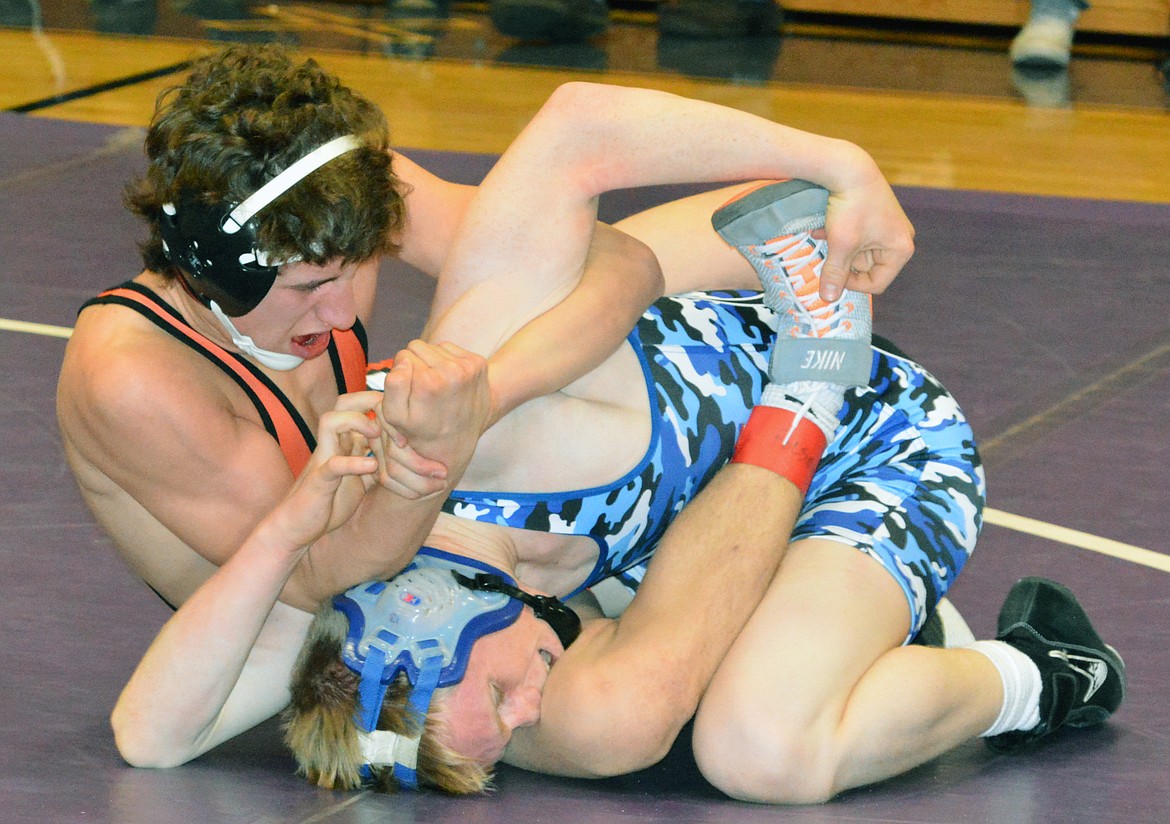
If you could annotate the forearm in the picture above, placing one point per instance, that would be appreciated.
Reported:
(621, 279)
(709, 574)
(610, 137)
(604, 138)
(376, 543)
(172, 707)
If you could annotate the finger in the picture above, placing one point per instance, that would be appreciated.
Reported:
(834, 276)
(411, 461)
(873, 282)
(469, 363)
(883, 267)
(344, 466)
(429, 354)
(396, 394)
(344, 433)
(377, 449)
(337, 424)
(363, 401)
(403, 482)
(326, 477)
(455, 349)
(390, 432)
(857, 278)
(841, 250)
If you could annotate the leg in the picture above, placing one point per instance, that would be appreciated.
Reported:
(887, 525)
(704, 261)
(821, 348)
(816, 696)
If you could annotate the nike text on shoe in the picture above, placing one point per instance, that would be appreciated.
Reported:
(772, 227)
(1083, 677)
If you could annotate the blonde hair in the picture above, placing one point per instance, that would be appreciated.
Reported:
(323, 736)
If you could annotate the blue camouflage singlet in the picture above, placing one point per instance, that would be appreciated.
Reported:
(704, 361)
(901, 480)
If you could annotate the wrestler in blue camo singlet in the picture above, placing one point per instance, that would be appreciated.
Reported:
(704, 359)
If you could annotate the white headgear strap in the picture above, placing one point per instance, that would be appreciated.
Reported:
(290, 177)
(382, 747)
(279, 361)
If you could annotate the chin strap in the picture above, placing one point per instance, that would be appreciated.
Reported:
(382, 748)
(565, 623)
(273, 360)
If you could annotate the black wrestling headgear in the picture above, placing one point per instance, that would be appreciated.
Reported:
(214, 246)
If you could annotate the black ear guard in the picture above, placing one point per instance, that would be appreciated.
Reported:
(214, 246)
(216, 264)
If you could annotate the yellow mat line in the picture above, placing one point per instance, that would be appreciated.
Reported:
(1082, 540)
(35, 328)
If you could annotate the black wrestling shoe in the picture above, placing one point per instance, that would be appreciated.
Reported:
(557, 21)
(1083, 677)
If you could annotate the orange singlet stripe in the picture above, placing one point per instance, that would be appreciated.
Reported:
(280, 417)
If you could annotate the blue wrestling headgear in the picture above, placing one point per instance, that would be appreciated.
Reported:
(423, 623)
(214, 245)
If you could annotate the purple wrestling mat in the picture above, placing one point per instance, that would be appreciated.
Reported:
(1048, 318)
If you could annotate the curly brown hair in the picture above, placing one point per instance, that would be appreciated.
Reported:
(323, 736)
(243, 115)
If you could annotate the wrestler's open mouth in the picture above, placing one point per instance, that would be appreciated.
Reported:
(310, 346)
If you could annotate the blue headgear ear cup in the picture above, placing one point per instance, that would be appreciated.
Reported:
(423, 623)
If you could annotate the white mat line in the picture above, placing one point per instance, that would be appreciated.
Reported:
(1030, 526)
(7, 325)
(1082, 540)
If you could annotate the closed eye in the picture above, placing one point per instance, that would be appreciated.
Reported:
(313, 285)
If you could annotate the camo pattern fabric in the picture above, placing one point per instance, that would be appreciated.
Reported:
(903, 450)
(704, 363)
(902, 482)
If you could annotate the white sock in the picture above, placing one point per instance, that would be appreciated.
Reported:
(821, 403)
(1021, 687)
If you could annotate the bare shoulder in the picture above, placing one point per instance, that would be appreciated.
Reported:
(157, 435)
(122, 374)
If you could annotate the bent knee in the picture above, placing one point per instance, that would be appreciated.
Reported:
(763, 758)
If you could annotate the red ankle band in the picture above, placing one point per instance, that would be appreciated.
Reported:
(762, 443)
